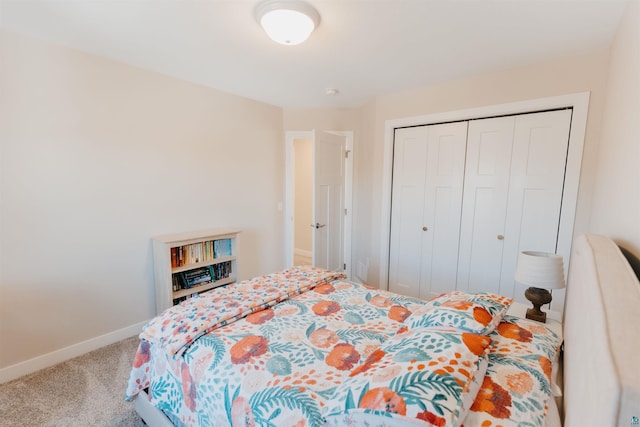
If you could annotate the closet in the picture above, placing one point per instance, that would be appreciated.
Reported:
(468, 196)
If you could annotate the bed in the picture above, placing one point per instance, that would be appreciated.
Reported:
(305, 347)
(602, 337)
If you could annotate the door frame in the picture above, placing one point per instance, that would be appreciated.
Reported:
(290, 137)
(580, 104)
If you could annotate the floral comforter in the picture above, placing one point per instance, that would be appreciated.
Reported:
(304, 348)
(291, 355)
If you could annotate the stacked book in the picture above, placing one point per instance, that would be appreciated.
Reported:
(191, 278)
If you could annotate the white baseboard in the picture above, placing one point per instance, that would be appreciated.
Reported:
(40, 362)
(303, 252)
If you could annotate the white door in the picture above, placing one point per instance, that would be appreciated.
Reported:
(540, 146)
(486, 185)
(426, 206)
(328, 200)
(514, 180)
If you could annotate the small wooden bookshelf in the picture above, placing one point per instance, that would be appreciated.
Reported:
(186, 264)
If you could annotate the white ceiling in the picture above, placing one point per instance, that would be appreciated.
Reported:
(364, 48)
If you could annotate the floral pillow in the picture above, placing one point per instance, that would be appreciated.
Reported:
(476, 313)
(517, 386)
(421, 375)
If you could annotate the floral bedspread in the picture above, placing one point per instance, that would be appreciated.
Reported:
(517, 387)
(304, 348)
(177, 327)
(274, 366)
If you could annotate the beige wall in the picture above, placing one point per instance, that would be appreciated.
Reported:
(95, 158)
(303, 190)
(306, 119)
(365, 179)
(569, 75)
(616, 199)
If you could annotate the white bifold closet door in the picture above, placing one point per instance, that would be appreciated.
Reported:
(426, 207)
(513, 184)
(465, 202)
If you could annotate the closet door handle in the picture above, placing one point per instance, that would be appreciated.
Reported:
(318, 225)
(500, 237)
(425, 229)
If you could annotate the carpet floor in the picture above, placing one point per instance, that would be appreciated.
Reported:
(85, 391)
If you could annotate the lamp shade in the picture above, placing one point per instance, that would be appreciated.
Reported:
(287, 22)
(540, 270)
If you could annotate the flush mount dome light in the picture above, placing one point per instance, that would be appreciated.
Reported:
(287, 22)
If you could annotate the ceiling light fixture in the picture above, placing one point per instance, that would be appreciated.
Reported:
(287, 22)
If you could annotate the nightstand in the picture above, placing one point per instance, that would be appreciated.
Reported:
(554, 318)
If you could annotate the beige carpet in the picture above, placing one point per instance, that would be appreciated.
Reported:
(85, 391)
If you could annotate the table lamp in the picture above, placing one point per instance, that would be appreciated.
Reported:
(540, 271)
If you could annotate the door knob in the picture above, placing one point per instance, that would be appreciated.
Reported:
(425, 229)
(318, 225)
(500, 237)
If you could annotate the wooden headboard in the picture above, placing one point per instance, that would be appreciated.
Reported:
(602, 337)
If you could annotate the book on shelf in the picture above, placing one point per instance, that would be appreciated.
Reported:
(178, 282)
(201, 276)
(197, 276)
(200, 252)
(179, 300)
(184, 298)
(222, 270)
(174, 257)
(222, 248)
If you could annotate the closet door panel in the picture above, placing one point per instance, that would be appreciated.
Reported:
(540, 146)
(484, 205)
(409, 160)
(443, 206)
(428, 175)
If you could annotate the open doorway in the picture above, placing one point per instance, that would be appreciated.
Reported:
(303, 202)
(318, 206)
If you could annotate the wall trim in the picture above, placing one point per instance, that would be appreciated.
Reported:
(580, 104)
(62, 355)
(290, 137)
